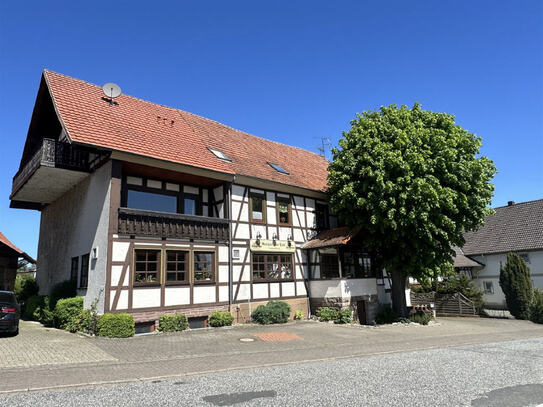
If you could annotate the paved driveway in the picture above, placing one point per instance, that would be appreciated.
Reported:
(48, 358)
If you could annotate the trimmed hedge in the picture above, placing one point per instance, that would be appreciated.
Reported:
(64, 289)
(420, 317)
(274, 312)
(172, 322)
(326, 314)
(66, 310)
(116, 325)
(220, 318)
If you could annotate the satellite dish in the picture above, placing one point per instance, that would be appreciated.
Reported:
(111, 90)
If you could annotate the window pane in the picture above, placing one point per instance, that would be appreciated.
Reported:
(189, 206)
(257, 207)
(283, 212)
(151, 201)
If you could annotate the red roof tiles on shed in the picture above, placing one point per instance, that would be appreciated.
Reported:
(4, 240)
(169, 134)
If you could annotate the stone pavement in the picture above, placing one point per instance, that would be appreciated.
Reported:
(47, 358)
(37, 346)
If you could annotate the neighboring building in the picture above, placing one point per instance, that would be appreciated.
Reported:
(152, 210)
(513, 228)
(9, 260)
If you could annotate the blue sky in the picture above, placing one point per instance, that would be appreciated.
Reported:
(291, 71)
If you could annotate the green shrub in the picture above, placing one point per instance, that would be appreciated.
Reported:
(64, 289)
(386, 316)
(172, 322)
(218, 319)
(420, 317)
(344, 316)
(116, 325)
(516, 284)
(326, 314)
(66, 310)
(44, 313)
(299, 315)
(274, 312)
(536, 308)
(25, 287)
(86, 321)
(82, 322)
(31, 304)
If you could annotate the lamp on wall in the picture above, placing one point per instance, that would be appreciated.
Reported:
(274, 238)
(258, 237)
(289, 240)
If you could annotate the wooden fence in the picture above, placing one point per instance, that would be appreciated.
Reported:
(445, 304)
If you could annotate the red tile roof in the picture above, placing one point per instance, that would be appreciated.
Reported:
(144, 128)
(4, 240)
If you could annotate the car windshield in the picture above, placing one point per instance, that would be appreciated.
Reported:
(7, 298)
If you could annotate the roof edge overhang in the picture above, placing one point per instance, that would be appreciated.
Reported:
(533, 249)
(278, 186)
(170, 165)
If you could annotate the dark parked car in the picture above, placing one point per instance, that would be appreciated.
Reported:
(9, 312)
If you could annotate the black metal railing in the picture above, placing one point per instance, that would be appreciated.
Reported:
(58, 154)
(136, 222)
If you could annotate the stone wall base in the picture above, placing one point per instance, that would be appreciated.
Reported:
(150, 316)
(371, 306)
(242, 311)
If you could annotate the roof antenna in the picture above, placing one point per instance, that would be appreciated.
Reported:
(325, 144)
(111, 90)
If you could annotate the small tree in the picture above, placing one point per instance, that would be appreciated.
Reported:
(516, 284)
(414, 181)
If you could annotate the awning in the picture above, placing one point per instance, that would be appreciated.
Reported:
(461, 260)
(333, 237)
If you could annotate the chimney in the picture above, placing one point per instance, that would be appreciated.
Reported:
(510, 203)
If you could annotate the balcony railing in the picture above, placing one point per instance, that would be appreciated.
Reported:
(57, 154)
(136, 222)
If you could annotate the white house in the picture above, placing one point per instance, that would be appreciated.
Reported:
(152, 210)
(517, 227)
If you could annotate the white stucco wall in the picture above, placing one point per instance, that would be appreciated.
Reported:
(72, 226)
(491, 273)
(343, 288)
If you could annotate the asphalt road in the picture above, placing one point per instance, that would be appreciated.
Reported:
(495, 374)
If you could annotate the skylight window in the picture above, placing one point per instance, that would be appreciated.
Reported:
(278, 168)
(219, 154)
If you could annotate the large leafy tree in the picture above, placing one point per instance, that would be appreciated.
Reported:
(414, 181)
(516, 284)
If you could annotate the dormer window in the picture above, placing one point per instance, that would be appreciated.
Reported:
(219, 154)
(278, 168)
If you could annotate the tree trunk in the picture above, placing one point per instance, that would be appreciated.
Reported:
(399, 283)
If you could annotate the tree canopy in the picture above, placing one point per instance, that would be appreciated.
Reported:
(414, 181)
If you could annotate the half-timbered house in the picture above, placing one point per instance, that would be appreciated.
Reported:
(152, 210)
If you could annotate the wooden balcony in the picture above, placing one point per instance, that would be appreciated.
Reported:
(53, 169)
(136, 222)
